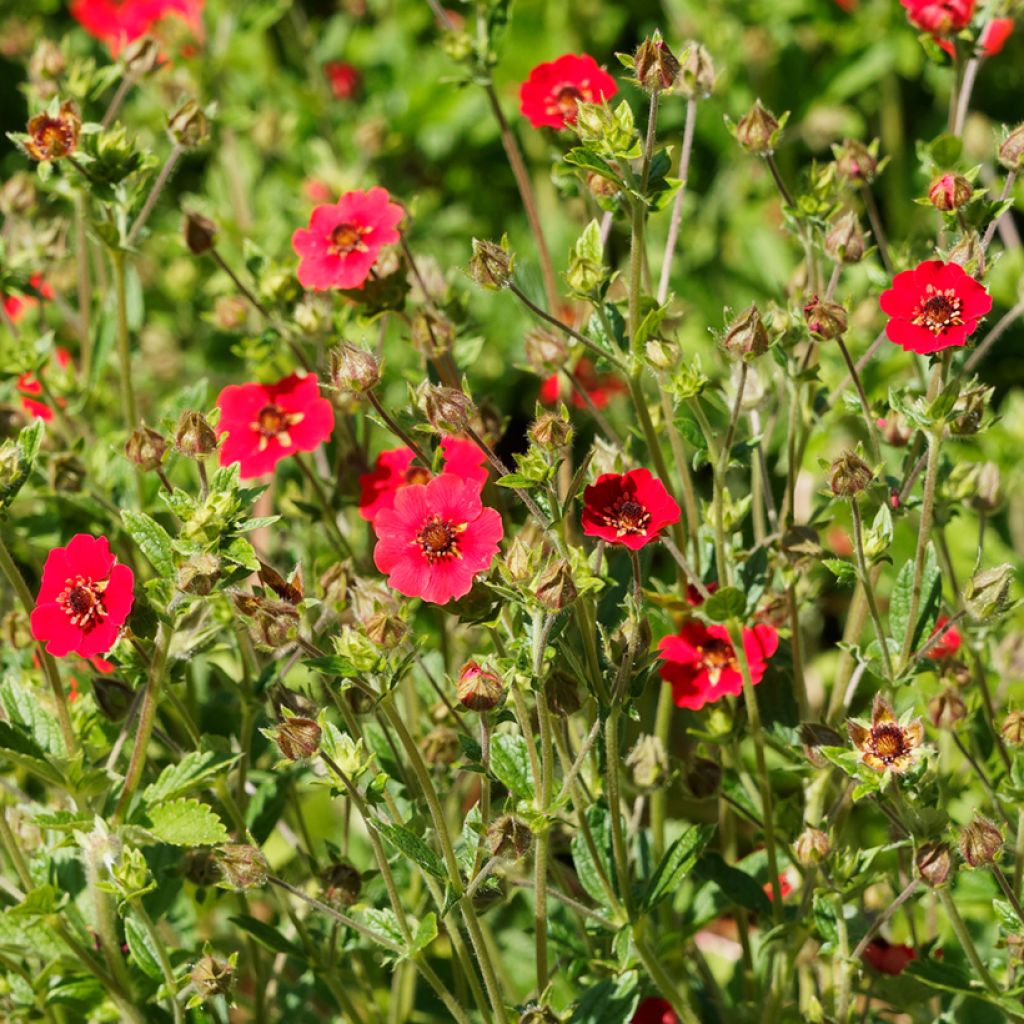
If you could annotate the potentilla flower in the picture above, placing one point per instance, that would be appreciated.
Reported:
(436, 539)
(119, 22)
(344, 79)
(600, 387)
(29, 387)
(940, 17)
(628, 508)
(268, 422)
(785, 887)
(933, 307)
(394, 469)
(948, 644)
(654, 1010)
(887, 744)
(549, 96)
(344, 239)
(52, 136)
(700, 661)
(84, 598)
(888, 958)
(16, 306)
(994, 36)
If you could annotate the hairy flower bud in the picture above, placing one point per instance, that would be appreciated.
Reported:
(981, 842)
(654, 64)
(199, 574)
(141, 56)
(509, 836)
(298, 739)
(969, 254)
(856, 162)
(812, 847)
(440, 746)
(386, 630)
(747, 337)
(145, 448)
(213, 977)
(354, 371)
(491, 264)
(555, 588)
(478, 688)
(200, 233)
(188, 126)
(949, 192)
(845, 242)
(341, 883)
(648, 763)
(52, 136)
(934, 863)
(826, 320)
(1012, 729)
(946, 709)
(849, 475)
(758, 130)
(550, 431)
(704, 777)
(987, 593)
(447, 409)
(241, 866)
(1011, 152)
(895, 430)
(696, 78)
(194, 437)
(546, 351)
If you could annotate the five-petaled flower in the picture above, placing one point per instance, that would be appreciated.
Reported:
(436, 539)
(16, 306)
(600, 388)
(344, 239)
(549, 96)
(887, 744)
(268, 422)
(395, 468)
(119, 22)
(629, 508)
(933, 307)
(948, 643)
(654, 1010)
(84, 598)
(52, 136)
(30, 388)
(940, 17)
(700, 661)
(888, 958)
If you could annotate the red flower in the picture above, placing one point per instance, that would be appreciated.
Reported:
(693, 595)
(343, 78)
(84, 598)
(785, 887)
(847, 5)
(119, 22)
(887, 958)
(701, 665)
(345, 238)
(394, 470)
(549, 96)
(933, 307)
(948, 645)
(629, 509)
(317, 191)
(600, 387)
(268, 422)
(436, 539)
(28, 386)
(654, 1010)
(15, 306)
(940, 17)
(994, 36)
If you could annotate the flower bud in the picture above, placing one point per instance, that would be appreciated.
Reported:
(113, 697)
(145, 448)
(550, 431)
(895, 430)
(845, 242)
(447, 409)
(970, 409)
(341, 883)
(188, 126)
(200, 233)
(509, 836)
(199, 866)
(562, 694)
(432, 333)
(981, 843)
(213, 977)
(441, 746)
(601, 187)
(934, 863)
(946, 709)
(194, 437)
(747, 337)
(987, 593)
(1011, 152)
(648, 763)
(386, 630)
(849, 475)
(141, 56)
(662, 355)
(826, 320)
(241, 866)
(654, 64)
(1012, 729)
(199, 574)
(696, 78)
(491, 264)
(704, 778)
(53, 136)
(812, 847)
(758, 130)
(298, 739)
(949, 192)
(546, 351)
(354, 371)
(856, 162)
(478, 688)
(555, 588)
(518, 564)
(969, 254)
(813, 736)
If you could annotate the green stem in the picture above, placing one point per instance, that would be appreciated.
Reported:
(869, 590)
(966, 942)
(541, 625)
(124, 354)
(161, 954)
(664, 981)
(619, 851)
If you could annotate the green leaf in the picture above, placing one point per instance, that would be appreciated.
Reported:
(189, 773)
(510, 763)
(16, 461)
(609, 1001)
(141, 948)
(410, 845)
(738, 887)
(899, 603)
(426, 932)
(25, 710)
(385, 924)
(844, 572)
(725, 604)
(186, 822)
(152, 539)
(588, 869)
(268, 936)
(678, 861)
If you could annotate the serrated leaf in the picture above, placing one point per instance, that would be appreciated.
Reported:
(141, 948)
(410, 845)
(678, 861)
(725, 604)
(510, 763)
(190, 772)
(25, 710)
(611, 1001)
(589, 870)
(186, 822)
(385, 923)
(426, 932)
(899, 603)
(152, 539)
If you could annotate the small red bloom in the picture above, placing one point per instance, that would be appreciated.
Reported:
(549, 96)
(785, 887)
(940, 17)
(344, 239)
(268, 422)
(933, 307)
(316, 190)
(394, 470)
(700, 662)
(887, 958)
(654, 1010)
(15, 306)
(84, 598)
(994, 36)
(630, 508)
(436, 539)
(29, 386)
(693, 595)
(600, 387)
(948, 645)
(119, 22)
(344, 79)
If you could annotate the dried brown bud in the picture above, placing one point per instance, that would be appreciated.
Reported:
(550, 431)
(213, 977)
(194, 437)
(1011, 152)
(478, 688)
(949, 192)
(855, 161)
(440, 746)
(447, 409)
(200, 233)
(648, 763)
(934, 863)
(241, 866)
(341, 883)
(812, 847)
(555, 588)
(145, 447)
(825, 319)
(981, 842)
(845, 241)
(51, 137)
(188, 126)
(758, 130)
(298, 739)
(354, 371)
(946, 709)
(747, 337)
(655, 64)
(849, 475)
(386, 630)
(704, 778)
(696, 79)
(509, 836)
(491, 264)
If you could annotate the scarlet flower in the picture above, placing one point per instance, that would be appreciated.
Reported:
(436, 539)
(268, 422)
(84, 598)
(394, 470)
(785, 887)
(316, 190)
(344, 79)
(948, 645)
(15, 306)
(933, 307)
(630, 508)
(119, 22)
(344, 239)
(888, 958)
(700, 661)
(29, 386)
(693, 596)
(600, 387)
(940, 17)
(549, 96)
(654, 1010)
(994, 36)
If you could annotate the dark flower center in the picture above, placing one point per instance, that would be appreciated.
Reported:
(274, 422)
(888, 742)
(82, 601)
(627, 515)
(53, 136)
(438, 539)
(346, 238)
(271, 420)
(566, 99)
(938, 311)
(716, 656)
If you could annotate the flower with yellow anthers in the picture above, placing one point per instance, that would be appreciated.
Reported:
(887, 744)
